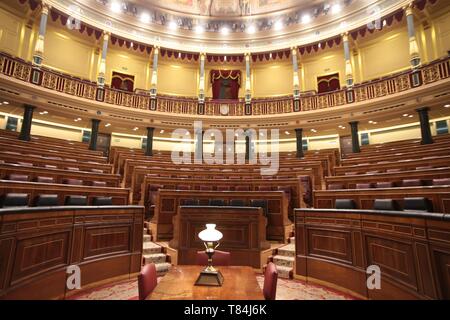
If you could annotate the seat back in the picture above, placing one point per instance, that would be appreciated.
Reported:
(220, 258)
(216, 202)
(17, 177)
(189, 202)
(417, 204)
(45, 179)
(262, 203)
(270, 282)
(46, 200)
(99, 183)
(206, 188)
(223, 188)
(335, 186)
(412, 182)
(75, 201)
(237, 203)
(73, 182)
(102, 201)
(242, 188)
(15, 200)
(345, 204)
(363, 185)
(264, 188)
(147, 280)
(441, 182)
(183, 187)
(385, 204)
(384, 185)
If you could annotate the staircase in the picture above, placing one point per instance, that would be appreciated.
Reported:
(153, 253)
(284, 260)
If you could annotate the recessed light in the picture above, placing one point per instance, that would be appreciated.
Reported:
(145, 17)
(405, 114)
(410, 116)
(135, 128)
(313, 130)
(199, 28)
(278, 25)
(5, 102)
(336, 8)
(107, 125)
(447, 106)
(225, 31)
(77, 119)
(187, 133)
(115, 7)
(172, 25)
(261, 134)
(287, 132)
(306, 18)
(43, 112)
(251, 29)
(162, 131)
(374, 122)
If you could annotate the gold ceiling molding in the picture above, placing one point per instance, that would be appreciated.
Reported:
(235, 43)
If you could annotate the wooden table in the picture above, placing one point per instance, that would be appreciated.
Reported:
(178, 284)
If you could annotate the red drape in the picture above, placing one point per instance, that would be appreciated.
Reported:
(122, 81)
(328, 83)
(225, 83)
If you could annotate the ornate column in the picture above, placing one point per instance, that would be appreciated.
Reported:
(413, 48)
(355, 137)
(26, 123)
(149, 146)
(295, 80)
(102, 68)
(38, 54)
(348, 62)
(248, 92)
(299, 136)
(94, 134)
(425, 125)
(154, 81)
(198, 145)
(201, 85)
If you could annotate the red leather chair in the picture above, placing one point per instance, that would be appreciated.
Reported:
(441, 182)
(99, 183)
(206, 188)
(363, 185)
(220, 258)
(147, 280)
(17, 177)
(223, 188)
(242, 188)
(73, 182)
(412, 183)
(45, 179)
(183, 187)
(270, 282)
(385, 185)
(264, 188)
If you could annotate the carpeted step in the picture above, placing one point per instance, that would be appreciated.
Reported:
(150, 248)
(162, 268)
(283, 261)
(287, 250)
(154, 258)
(291, 240)
(285, 272)
(147, 238)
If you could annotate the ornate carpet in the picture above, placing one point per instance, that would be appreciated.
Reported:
(286, 290)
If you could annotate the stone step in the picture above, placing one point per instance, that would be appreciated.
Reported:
(147, 238)
(154, 258)
(292, 240)
(283, 261)
(162, 268)
(150, 248)
(285, 272)
(288, 250)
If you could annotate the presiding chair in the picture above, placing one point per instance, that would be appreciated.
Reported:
(220, 258)
(270, 281)
(147, 280)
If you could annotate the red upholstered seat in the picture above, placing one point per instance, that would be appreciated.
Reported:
(147, 280)
(18, 177)
(97, 170)
(206, 188)
(183, 187)
(99, 183)
(270, 282)
(424, 167)
(441, 182)
(393, 170)
(220, 258)
(373, 172)
(50, 166)
(384, 185)
(364, 185)
(242, 188)
(25, 164)
(264, 188)
(335, 186)
(45, 179)
(73, 182)
(350, 173)
(412, 182)
(223, 188)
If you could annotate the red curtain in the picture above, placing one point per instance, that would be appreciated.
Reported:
(328, 83)
(225, 84)
(122, 81)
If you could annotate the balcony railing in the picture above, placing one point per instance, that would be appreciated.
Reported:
(50, 79)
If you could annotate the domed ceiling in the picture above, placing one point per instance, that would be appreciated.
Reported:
(227, 26)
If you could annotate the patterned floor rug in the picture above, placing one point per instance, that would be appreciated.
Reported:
(286, 290)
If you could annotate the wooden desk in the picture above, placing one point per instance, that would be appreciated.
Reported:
(178, 284)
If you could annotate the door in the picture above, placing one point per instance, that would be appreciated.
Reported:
(104, 143)
(345, 143)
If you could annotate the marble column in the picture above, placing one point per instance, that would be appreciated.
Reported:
(102, 68)
(94, 134)
(149, 146)
(299, 136)
(38, 54)
(355, 136)
(26, 123)
(425, 125)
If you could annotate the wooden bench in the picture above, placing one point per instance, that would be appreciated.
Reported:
(243, 229)
(167, 202)
(412, 250)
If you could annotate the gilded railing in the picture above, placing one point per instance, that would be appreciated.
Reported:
(19, 69)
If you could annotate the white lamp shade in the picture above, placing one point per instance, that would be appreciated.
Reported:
(210, 233)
